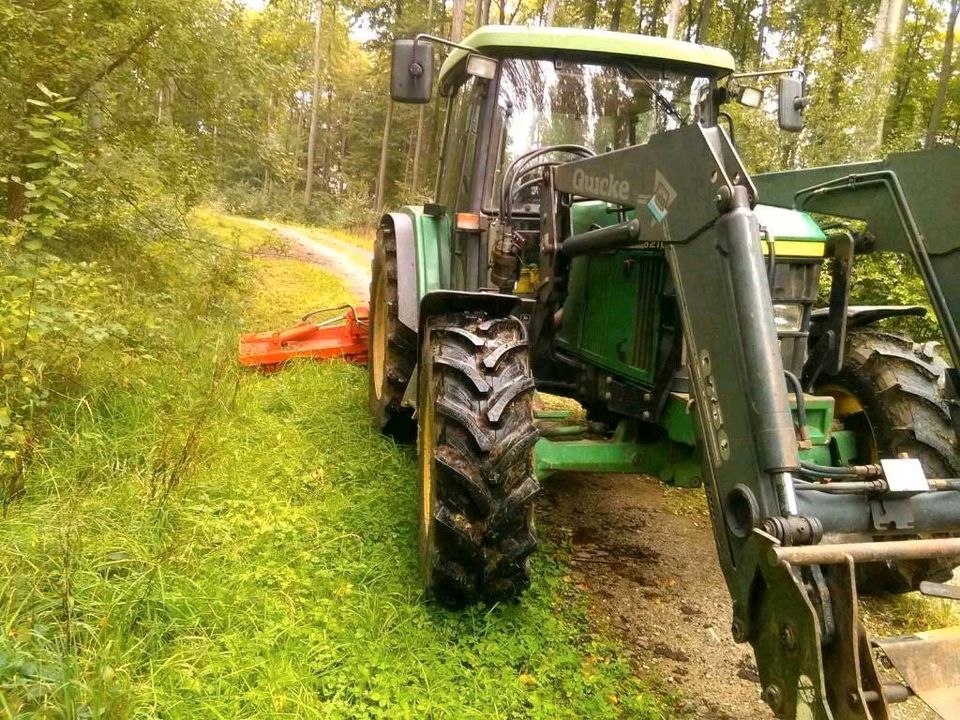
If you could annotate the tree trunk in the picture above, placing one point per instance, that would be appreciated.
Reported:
(673, 20)
(314, 109)
(481, 13)
(655, 10)
(480, 20)
(16, 200)
(328, 147)
(550, 13)
(886, 35)
(703, 21)
(457, 20)
(761, 30)
(590, 14)
(384, 145)
(615, 17)
(946, 68)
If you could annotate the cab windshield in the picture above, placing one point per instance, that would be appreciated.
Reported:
(604, 107)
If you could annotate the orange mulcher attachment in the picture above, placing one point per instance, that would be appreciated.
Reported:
(343, 336)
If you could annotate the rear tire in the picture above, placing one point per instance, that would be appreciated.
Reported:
(392, 355)
(476, 438)
(890, 390)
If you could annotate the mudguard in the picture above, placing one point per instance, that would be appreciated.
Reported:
(863, 315)
(423, 261)
(497, 304)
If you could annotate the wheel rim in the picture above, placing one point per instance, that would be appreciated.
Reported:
(378, 333)
(427, 443)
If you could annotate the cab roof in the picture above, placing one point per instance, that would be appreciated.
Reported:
(513, 40)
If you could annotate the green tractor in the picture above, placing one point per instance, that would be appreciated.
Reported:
(594, 235)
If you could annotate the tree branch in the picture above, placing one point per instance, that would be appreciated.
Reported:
(119, 60)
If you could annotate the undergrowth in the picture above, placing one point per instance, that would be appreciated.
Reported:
(197, 541)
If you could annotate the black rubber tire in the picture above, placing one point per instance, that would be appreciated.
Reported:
(899, 384)
(389, 370)
(476, 438)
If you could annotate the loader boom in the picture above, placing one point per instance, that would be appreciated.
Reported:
(800, 616)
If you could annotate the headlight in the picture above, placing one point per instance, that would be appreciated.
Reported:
(788, 318)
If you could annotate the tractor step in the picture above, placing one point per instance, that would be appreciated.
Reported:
(342, 336)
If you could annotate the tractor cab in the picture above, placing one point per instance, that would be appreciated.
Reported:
(554, 94)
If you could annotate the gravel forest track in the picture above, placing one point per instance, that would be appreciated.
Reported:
(350, 262)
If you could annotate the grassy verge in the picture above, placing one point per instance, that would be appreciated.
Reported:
(245, 231)
(196, 541)
(359, 239)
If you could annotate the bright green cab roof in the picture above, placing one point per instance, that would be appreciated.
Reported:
(501, 40)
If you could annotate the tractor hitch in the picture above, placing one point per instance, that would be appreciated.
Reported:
(341, 336)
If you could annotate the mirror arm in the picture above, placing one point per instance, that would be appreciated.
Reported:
(443, 41)
(765, 73)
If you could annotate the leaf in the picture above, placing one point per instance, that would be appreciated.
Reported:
(39, 103)
(33, 244)
(47, 91)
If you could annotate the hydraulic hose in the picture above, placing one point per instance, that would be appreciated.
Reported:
(842, 488)
(797, 388)
(849, 471)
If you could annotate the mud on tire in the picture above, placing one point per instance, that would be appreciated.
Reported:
(392, 345)
(476, 438)
(899, 385)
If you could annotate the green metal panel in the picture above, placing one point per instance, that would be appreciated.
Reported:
(843, 445)
(677, 419)
(433, 249)
(595, 213)
(819, 417)
(623, 453)
(498, 40)
(612, 313)
(785, 224)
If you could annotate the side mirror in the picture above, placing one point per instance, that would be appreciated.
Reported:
(791, 103)
(411, 74)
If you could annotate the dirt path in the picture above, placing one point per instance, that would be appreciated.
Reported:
(646, 555)
(348, 261)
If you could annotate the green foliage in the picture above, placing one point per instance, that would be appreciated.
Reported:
(890, 279)
(202, 541)
(49, 315)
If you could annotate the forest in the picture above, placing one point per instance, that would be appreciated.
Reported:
(135, 137)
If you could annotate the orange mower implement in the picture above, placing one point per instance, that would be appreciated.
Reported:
(342, 336)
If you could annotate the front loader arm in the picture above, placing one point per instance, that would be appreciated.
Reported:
(693, 195)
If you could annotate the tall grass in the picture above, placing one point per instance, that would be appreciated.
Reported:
(195, 541)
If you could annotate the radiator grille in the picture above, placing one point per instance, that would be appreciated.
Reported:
(650, 275)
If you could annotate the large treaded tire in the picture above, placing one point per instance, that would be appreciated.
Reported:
(899, 384)
(392, 355)
(476, 438)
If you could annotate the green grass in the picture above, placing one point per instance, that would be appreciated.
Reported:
(891, 615)
(239, 233)
(363, 240)
(198, 541)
